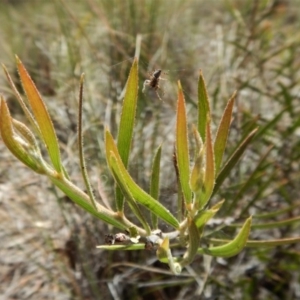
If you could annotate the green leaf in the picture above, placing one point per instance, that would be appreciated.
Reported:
(232, 161)
(162, 250)
(41, 115)
(128, 114)
(233, 247)
(83, 201)
(117, 168)
(203, 107)
(27, 112)
(275, 224)
(194, 242)
(19, 147)
(209, 180)
(154, 182)
(137, 246)
(205, 193)
(164, 255)
(272, 214)
(127, 123)
(182, 148)
(198, 171)
(83, 169)
(222, 133)
(26, 134)
(203, 216)
(262, 243)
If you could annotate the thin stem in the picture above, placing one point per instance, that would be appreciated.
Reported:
(80, 147)
(83, 200)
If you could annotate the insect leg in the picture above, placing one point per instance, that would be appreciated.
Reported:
(157, 94)
(146, 83)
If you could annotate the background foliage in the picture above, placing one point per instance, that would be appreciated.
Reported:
(48, 245)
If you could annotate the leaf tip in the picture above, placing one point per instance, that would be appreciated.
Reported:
(18, 59)
(179, 86)
(82, 78)
(249, 220)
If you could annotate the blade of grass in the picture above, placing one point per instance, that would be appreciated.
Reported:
(248, 183)
(262, 187)
(275, 224)
(277, 212)
(232, 161)
(262, 243)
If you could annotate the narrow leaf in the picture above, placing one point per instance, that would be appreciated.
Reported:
(154, 182)
(26, 134)
(83, 201)
(222, 133)
(81, 149)
(275, 224)
(232, 161)
(194, 242)
(233, 247)
(128, 114)
(126, 192)
(155, 172)
(272, 214)
(128, 184)
(262, 243)
(203, 216)
(139, 246)
(20, 148)
(41, 115)
(126, 125)
(198, 171)
(209, 180)
(203, 196)
(197, 174)
(203, 107)
(22, 103)
(182, 147)
(249, 182)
